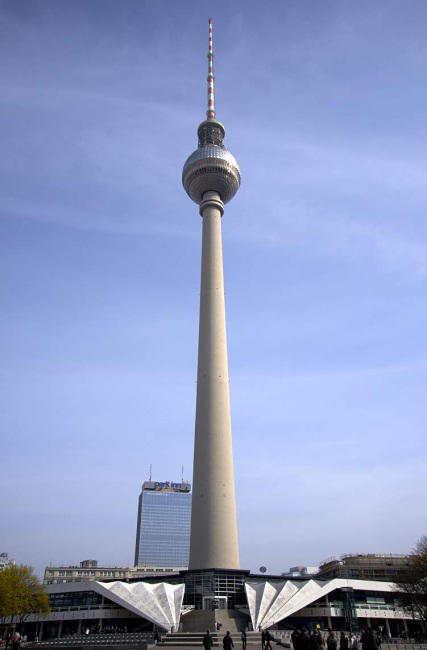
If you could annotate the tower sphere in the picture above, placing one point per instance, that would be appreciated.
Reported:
(211, 168)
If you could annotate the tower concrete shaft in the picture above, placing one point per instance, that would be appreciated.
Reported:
(213, 538)
(211, 178)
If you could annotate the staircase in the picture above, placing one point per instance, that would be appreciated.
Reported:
(232, 620)
(195, 639)
(200, 620)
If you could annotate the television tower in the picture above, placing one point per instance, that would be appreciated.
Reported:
(211, 177)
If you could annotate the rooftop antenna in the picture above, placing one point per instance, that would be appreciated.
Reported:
(210, 113)
(151, 467)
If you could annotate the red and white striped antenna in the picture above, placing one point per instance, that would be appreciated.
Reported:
(210, 113)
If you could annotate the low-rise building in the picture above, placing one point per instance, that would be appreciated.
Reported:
(369, 566)
(89, 570)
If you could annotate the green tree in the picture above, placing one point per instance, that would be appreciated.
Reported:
(412, 583)
(21, 594)
(6, 596)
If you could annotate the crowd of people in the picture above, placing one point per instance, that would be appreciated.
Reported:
(303, 640)
(107, 629)
(367, 640)
(227, 642)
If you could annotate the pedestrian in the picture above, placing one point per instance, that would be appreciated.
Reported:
(227, 642)
(156, 638)
(207, 641)
(16, 642)
(331, 641)
(343, 641)
(295, 636)
(364, 640)
(267, 640)
(375, 641)
(262, 639)
(243, 637)
(304, 640)
(315, 640)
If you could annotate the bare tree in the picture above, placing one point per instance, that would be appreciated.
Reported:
(412, 584)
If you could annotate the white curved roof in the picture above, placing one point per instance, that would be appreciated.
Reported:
(159, 603)
(270, 602)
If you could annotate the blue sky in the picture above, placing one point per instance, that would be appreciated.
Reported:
(325, 250)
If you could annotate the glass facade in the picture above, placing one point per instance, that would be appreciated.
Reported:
(163, 529)
(75, 599)
(215, 589)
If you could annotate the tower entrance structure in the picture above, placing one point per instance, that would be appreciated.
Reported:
(211, 178)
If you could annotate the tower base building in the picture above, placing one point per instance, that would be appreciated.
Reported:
(191, 601)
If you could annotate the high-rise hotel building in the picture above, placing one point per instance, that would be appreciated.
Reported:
(163, 527)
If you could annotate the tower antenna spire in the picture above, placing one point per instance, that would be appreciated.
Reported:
(210, 113)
